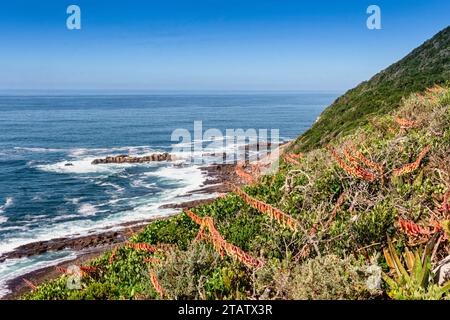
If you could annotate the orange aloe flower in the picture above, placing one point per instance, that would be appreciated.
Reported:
(84, 271)
(357, 171)
(297, 156)
(338, 204)
(113, 254)
(350, 157)
(274, 213)
(221, 245)
(405, 123)
(142, 246)
(412, 229)
(156, 284)
(410, 167)
(371, 164)
(194, 217)
(291, 160)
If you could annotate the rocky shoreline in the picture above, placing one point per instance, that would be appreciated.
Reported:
(90, 246)
(220, 179)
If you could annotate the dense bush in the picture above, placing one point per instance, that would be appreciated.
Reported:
(328, 277)
(182, 274)
(371, 227)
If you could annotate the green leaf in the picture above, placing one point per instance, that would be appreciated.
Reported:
(401, 271)
(444, 289)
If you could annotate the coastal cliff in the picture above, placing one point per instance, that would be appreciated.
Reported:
(424, 67)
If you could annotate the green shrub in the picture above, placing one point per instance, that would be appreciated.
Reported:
(371, 227)
(52, 290)
(95, 291)
(329, 278)
(179, 230)
(229, 282)
(182, 274)
(412, 279)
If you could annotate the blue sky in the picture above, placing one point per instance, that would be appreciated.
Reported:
(208, 44)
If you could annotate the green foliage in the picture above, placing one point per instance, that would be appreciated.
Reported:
(321, 278)
(372, 226)
(127, 273)
(328, 277)
(328, 183)
(445, 100)
(54, 290)
(229, 282)
(95, 291)
(179, 230)
(183, 273)
(413, 281)
(58, 290)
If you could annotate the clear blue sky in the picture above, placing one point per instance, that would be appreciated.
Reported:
(208, 44)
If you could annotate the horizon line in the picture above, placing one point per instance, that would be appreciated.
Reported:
(112, 91)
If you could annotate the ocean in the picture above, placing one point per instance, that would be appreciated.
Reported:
(42, 198)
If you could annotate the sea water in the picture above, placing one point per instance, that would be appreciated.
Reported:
(42, 197)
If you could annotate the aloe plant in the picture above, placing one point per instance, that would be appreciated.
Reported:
(414, 280)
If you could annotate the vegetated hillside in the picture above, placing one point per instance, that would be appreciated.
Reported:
(427, 65)
(367, 217)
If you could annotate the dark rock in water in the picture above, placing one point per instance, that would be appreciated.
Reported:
(128, 159)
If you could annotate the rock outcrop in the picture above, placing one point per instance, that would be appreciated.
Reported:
(128, 159)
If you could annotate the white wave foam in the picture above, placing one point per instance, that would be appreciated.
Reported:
(85, 166)
(140, 183)
(22, 228)
(75, 152)
(33, 218)
(37, 198)
(8, 203)
(64, 217)
(110, 184)
(76, 167)
(78, 152)
(14, 268)
(190, 178)
(87, 209)
(74, 201)
(213, 150)
(83, 157)
(187, 178)
(40, 150)
(82, 227)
